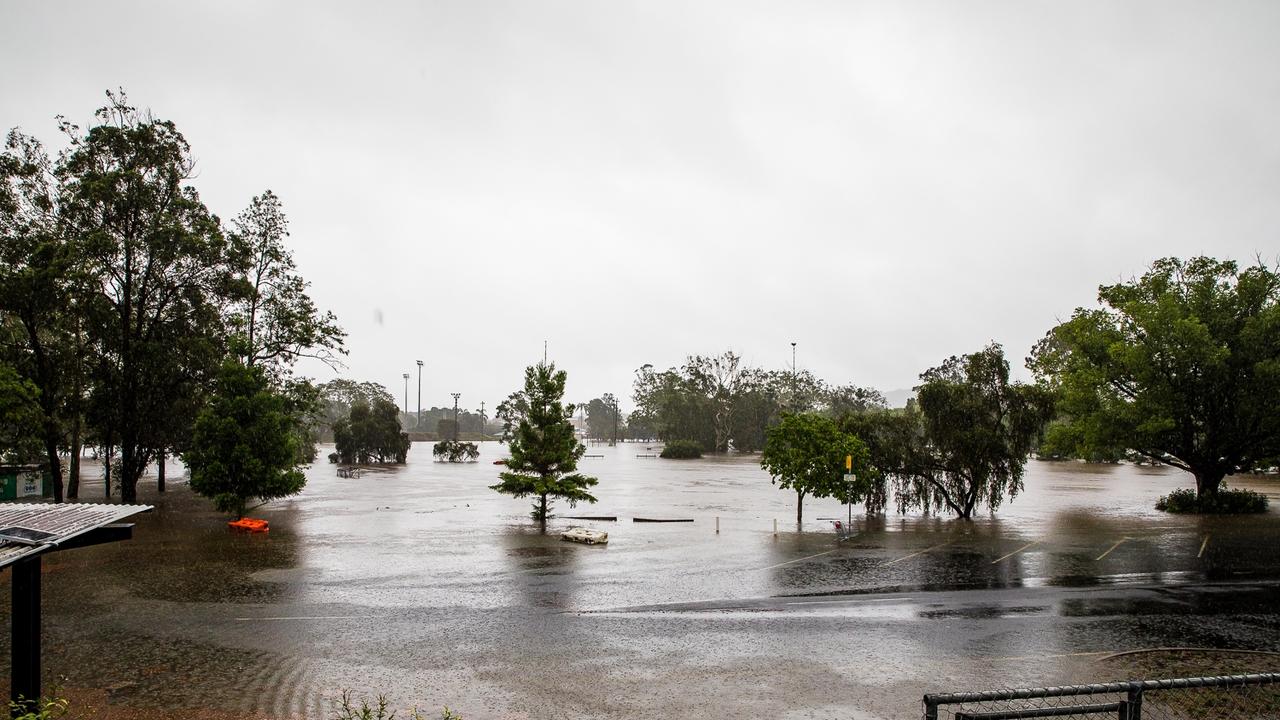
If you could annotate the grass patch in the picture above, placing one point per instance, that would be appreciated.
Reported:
(1223, 502)
(681, 450)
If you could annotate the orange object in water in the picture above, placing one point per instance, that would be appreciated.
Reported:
(249, 525)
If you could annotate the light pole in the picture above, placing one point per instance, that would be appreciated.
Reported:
(794, 404)
(418, 425)
(455, 414)
(406, 393)
(482, 420)
(615, 420)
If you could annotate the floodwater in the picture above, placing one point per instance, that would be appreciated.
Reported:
(419, 582)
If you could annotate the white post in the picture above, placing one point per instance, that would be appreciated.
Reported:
(717, 524)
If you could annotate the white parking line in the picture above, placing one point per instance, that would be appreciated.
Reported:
(1113, 547)
(1015, 552)
(799, 559)
(921, 552)
(306, 617)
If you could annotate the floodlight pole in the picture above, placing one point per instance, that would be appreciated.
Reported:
(418, 426)
(455, 414)
(406, 393)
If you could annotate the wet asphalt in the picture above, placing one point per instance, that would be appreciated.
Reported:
(421, 583)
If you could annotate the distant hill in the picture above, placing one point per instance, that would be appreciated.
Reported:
(898, 398)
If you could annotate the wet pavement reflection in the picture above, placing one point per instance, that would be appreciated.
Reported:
(420, 582)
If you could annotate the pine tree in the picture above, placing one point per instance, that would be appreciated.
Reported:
(544, 449)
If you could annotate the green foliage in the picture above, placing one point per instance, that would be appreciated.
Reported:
(964, 442)
(544, 450)
(20, 418)
(1223, 502)
(1065, 440)
(245, 443)
(681, 450)
(371, 433)
(455, 451)
(603, 418)
(806, 452)
(337, 397)
(275, 322)
(45, 709)
(1181, 365)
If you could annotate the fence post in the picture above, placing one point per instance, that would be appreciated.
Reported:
(1134, 708)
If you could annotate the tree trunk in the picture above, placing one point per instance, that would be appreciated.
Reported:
(160, 472)
(55, 467)
(1208, 481)
(542, 511)
(106, 478)
(73, 475)
(799, 506)
(129, 473)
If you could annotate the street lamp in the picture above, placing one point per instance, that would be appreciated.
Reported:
(406, 393)
(455, 414)
(418, 425)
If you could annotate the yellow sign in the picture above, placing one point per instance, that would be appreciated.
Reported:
(848, 462)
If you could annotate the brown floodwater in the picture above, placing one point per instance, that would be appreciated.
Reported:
(420, 582)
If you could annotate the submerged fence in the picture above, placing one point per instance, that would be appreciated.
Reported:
(1224, 697)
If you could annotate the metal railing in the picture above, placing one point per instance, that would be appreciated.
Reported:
(1223, 697)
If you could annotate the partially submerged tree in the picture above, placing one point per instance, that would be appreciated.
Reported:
(371, 433)
(1181, 366)
(455, 451)
(544, 449)
(244, 445)
(966, 440)
(806, 452)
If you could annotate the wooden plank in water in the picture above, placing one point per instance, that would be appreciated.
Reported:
(589, 517)
(639, 519)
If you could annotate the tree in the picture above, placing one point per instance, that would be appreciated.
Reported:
(161, 275)
(455, 451)
(244, 445)
(276, 321)
(806, 452)
(20, 417)
(37, 265)
(853, 399)
(603, 419)
(544, 450)
(1181, 366)
(371, 433)
(964, 442)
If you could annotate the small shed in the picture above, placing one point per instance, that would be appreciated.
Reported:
(24, 481)
(28, 532)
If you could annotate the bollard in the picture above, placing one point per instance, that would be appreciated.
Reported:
(775, 526)
(717, 524)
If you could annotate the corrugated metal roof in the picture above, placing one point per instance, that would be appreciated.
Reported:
(61, 521)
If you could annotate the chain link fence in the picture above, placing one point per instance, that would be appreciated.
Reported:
(1223, 697)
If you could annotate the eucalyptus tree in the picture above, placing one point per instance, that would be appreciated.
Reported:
(161, 275)
(37, 271)
(1181, 366)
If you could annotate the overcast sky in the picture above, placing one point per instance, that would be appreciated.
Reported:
(885, 184)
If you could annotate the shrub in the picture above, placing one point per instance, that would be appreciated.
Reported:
(1223, 502)
(681, 450)
(345, 709)
(455, 451)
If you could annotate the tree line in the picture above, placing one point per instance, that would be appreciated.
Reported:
(132, 319)
(1180, 366)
